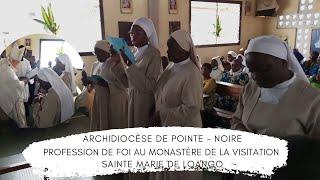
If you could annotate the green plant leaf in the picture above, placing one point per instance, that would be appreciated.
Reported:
(45, 17)
(39, 21)
(50, 14)
(48, 19)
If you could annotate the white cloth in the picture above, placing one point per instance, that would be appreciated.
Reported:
(220, 66)
(177, 66)
(96, 68)
(216, 74)
(243, 62)
(65, 96)
(185, 41)
(271, 45)
(103, 45)
(140, 51)
(11, 89)
(148, 27)
(65, 59)
(22, 69)
(273, 95)
(233, 54)
(16, 53)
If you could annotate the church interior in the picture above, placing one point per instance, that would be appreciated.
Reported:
(224, 37)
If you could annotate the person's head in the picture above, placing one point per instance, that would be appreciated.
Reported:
(226, 66)
(314, 56)
(64, 63)
(214, 63)
(268, 59)
(102, 50)
(206, 70)
(175, 52)
(165, 62)
(231, 56)
(236, 65)
(143, 32)
(181, 47)
(50, 64)
(44, 85)
(16, 55)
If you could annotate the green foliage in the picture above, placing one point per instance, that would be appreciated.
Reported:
(60, 51)
(217, 27)
(48, 20)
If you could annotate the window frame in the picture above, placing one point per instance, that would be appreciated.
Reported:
(41, 40)
(218, 1)
(103, 34)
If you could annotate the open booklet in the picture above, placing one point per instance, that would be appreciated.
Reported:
(120, 43)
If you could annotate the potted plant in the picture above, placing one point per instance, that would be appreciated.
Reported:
(217, 28)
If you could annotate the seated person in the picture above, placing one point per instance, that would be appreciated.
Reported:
(236, 74)
(209, 115)
(280, 100)
(231, 56)
(54, 103)
(209, 87)
(83, 102)
(244, 67)
(311, 66)
(217, 68)
(226, 66)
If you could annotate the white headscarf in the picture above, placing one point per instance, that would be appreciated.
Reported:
(103, 45)
(218, 59)
(64, 59)
(65, 96)
(274, 46)
(16, 53)
(148, 27)
(184, 40)
(233, 54)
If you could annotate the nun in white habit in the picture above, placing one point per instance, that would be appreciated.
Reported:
(110, 104)
(231, 56)
(279, 101)
(142, 76)
(217, 68)
(55, 103)
(179, 94)
(12, 89)
(67, 75)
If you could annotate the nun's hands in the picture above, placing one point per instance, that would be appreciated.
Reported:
(155, 119)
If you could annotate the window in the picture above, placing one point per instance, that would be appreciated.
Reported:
(79, 20)
(51, 48)
(207, 17)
